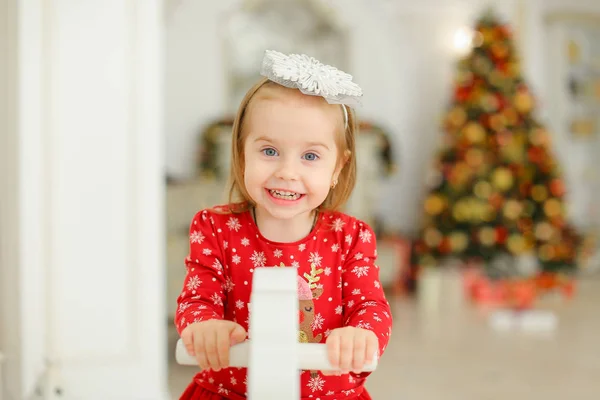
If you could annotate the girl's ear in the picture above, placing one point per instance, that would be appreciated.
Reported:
(347, 155)
(344, 159)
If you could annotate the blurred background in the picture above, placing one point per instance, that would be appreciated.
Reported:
(477, 149)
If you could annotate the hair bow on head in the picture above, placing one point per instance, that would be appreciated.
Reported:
(311, 77)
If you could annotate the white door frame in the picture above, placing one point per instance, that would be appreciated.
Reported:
(21, 253)
(50, 45)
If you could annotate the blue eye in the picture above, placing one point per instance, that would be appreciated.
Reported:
(270, 152)
(311, 157)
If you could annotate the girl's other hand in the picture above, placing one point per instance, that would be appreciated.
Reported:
(209, 341)
(350, 348)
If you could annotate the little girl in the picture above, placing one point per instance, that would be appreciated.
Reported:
(293, 167)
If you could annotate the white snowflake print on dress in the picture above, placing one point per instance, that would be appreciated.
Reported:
(229, 285)
(327, 271)
(236, 259)
(216, 299)
(318, 322)
(338, 225)
(218, 266)
(207, 252)
(278, 253)
(196, 237)
(338, 310)
(234, 224)
(335, 248)
(349, 239)
(358, 256)
(225, 244)
(302, 247)
(258, 259)
(356, 291)
(316, 383)
(295, 264)
(365, 236)
(364, 325)
(245, 242)
(239, 304)
(193, 283)
(361, 271)
(222, 390)
(315, 258)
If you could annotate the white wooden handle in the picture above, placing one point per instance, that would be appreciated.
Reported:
(311, 356)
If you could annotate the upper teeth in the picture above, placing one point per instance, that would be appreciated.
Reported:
(281, 193)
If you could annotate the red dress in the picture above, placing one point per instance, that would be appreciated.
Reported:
(338, 284)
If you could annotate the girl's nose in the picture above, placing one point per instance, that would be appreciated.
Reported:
(287, 170)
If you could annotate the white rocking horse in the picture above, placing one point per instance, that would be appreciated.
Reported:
(273, 354)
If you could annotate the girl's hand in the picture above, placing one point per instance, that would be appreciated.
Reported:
(209, 341)
(350, 348)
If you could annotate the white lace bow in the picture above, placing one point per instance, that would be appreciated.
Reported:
(311, 77)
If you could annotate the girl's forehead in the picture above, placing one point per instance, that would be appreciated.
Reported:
(294, 113)
(292, 133)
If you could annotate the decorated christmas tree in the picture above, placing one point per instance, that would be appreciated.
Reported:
(495, 187)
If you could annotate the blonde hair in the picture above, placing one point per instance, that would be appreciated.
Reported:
(240, 200)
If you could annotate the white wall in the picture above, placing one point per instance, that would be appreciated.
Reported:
(578, 157)
(401, 54)
(534, 40)
(195, 82)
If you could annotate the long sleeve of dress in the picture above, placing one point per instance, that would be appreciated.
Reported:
(364, 302)
(203, 290)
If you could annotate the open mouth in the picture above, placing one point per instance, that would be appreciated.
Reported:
(284, 195)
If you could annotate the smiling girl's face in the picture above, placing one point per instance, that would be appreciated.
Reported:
(291, 155)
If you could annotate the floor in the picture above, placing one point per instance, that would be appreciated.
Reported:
(443, 348)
